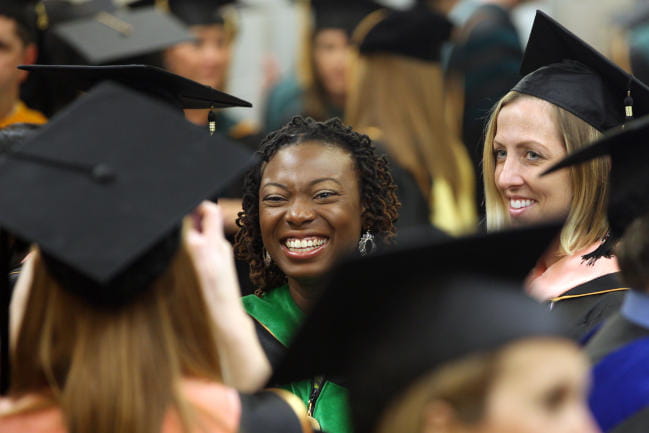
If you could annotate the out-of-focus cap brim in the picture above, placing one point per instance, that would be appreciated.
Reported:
(145, 78)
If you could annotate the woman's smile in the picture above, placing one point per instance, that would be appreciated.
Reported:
(309, 208)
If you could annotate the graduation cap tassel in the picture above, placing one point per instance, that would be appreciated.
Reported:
(211, 121)
(605, 249)
(628, 104)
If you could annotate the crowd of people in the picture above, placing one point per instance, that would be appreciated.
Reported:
(435, 230)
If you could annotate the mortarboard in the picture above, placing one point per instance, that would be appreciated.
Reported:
(561, 68)
(417, 32)
(191, 12)
(108, 36)
(107, 178)
(178, 91)
(341, 14)
(102, 189)
(385, 320)
(629, 177)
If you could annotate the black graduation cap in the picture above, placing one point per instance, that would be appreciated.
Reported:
(341, 14)
(629, 177)
(386, 320)
(417, 32)
(23, 12)
(561, 68)
(178, 91)
(191, 12)
(109, 36)
(102, 33)
(102, 189)
(107, 178)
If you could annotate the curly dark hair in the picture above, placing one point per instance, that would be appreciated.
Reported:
(377, 190)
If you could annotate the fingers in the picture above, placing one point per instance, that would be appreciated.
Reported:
(209, 220)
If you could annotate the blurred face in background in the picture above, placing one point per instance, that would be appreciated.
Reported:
(538, 385)
(331, 58)
(205, 60)
(13, 52)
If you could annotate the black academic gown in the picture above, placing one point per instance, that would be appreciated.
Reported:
(585, 306)
(619, 397)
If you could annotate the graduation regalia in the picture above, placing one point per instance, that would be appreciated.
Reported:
(277, 319)
(620, 350)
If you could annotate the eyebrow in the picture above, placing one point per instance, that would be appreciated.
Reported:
(524, 143)
(313, 182)
(324, 179)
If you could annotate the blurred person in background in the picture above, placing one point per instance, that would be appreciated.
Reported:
(396, 96)
(320, 86)
(17, 47)
(207, 60)
(483, 65)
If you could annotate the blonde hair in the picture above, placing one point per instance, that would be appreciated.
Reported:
(404, 99)
(586, 222)
(116, 370)
(463, 384)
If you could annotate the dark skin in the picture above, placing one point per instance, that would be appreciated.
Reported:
(309, 213)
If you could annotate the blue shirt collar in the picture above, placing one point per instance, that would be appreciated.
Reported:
(636, 308)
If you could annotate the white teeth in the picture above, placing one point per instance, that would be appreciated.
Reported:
(304, 244)
(519, 204)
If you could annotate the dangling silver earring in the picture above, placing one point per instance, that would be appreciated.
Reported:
(267, 258)
(367, 240)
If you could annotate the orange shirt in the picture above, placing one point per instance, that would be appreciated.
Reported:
(205, 396)
(23, 114)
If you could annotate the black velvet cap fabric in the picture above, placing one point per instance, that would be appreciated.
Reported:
(102, 189)
(386, 320)
(21, 11)
(177, 91)
(190, 12)
(629, 176)
(561, 68)
(417, 32)
(341, 14)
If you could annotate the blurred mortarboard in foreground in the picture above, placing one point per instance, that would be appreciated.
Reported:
(102, 35)
(341, 14)
(21, 11)
(417, 32)
(178, 91)
(629, 177)
(105, 181)
(561, 68)
(386, 320)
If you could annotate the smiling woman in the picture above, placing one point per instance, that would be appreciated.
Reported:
(319, 192)
(560, 106)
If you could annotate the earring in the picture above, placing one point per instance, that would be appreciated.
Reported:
(267, 258)
(367, 240)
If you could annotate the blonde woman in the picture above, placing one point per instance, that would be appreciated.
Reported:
(559, 107)
(397, 97)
